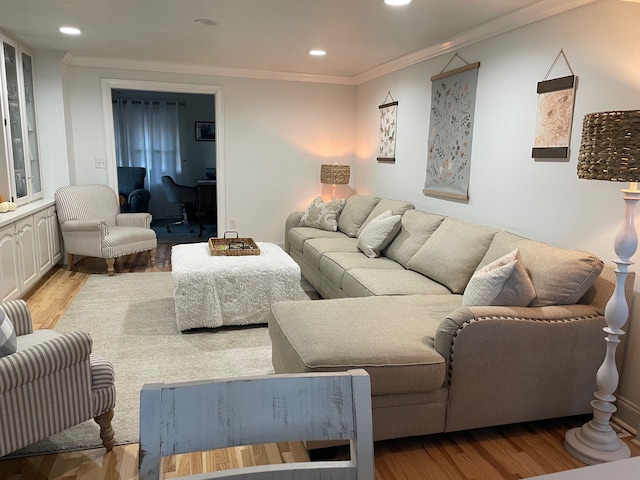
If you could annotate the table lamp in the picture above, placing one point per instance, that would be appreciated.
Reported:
(334, 175)
(610, 150)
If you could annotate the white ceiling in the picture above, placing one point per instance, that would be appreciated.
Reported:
(360, 36)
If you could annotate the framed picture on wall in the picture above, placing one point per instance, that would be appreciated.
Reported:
(206, 131)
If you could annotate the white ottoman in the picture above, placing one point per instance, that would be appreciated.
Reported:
(211, 291)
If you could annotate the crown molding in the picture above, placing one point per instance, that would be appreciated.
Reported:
(520, 18)
(525, 16)
(167, 67)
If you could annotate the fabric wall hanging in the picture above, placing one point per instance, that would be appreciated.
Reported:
(453, 98)
(556, 98)
(388, 125)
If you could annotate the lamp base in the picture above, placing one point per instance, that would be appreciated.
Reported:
(592, 447)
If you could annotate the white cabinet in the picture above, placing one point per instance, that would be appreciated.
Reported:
(22, 182)
(54, 235)
(29, 247)
(9, 268)
(44, 251)
(27, 256)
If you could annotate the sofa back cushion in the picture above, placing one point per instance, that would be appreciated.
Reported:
(397, 207)
(452, 253)
(560, 276)
(355, 212)
(416, 227)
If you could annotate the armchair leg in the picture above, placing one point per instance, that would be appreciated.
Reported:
(110, 263)
(152, 257)
(106, 430)
(70, 261)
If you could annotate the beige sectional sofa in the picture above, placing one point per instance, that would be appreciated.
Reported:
(437, 361)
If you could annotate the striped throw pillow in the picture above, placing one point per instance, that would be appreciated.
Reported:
(8, 344)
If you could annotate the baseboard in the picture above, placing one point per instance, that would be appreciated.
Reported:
(628, 415)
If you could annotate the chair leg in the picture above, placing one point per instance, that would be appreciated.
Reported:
(152, 257)
(106, 430)
(110, 263)
(70, 260)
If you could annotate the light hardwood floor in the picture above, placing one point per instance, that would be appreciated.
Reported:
(508, 452)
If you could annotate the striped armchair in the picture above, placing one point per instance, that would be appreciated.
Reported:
(92, 225)
(51, 383)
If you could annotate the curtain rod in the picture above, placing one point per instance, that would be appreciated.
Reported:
(155, 102)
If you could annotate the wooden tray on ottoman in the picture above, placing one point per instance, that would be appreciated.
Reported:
(233, 246)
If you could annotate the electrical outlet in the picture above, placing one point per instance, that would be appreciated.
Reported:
(232, 223)
(101, 162)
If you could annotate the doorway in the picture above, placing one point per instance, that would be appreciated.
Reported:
(198, 154)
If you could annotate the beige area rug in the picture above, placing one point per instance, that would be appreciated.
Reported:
(131, 319)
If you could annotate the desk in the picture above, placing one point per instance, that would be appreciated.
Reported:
(206, 201)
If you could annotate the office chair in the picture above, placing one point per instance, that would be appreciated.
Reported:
(179, 194)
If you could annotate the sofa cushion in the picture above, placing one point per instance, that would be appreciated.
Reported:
(560, 276)
(378, 233)
(397, 207)
(322, 215)
(334, 264)
(452, 253)
(8, 344)
(365, 282)
(504, 281)
(339, 334)
(299, 235)
(315, 248)
(356, 210)
(416, 227)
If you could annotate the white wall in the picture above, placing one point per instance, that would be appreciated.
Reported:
(277, 133)
(508, 189)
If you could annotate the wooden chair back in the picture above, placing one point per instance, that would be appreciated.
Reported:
(208, 415)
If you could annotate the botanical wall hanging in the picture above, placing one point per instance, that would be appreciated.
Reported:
(453, 98)
(556, 98)
(388, 126)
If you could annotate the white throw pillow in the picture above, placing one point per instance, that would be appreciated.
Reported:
(378, 233)
(8, 344)
(502, 282)
(322, 215)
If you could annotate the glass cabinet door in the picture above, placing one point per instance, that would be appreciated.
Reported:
(31, 133)
(15, 119)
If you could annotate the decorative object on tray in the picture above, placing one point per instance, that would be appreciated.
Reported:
(388, 125)
(233, 246)
(453, 98)
(556, 98)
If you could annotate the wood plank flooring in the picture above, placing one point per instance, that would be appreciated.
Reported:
(507, 452)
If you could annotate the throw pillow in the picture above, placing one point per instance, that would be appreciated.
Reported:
(502, 282)
(8, 344)
(322, 215)
(378, 233)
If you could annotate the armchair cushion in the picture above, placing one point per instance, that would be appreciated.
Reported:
(8, 344)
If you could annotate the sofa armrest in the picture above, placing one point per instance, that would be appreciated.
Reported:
(84, 226)
(515, 364)
(142, 220)
(43, 359)
(293, 220)
(20, 315)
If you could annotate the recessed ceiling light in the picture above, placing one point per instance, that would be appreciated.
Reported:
(397, 3)
(206, 21)
(70, 30)
(317, 53)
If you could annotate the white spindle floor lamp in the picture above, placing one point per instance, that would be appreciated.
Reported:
(610, 150)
